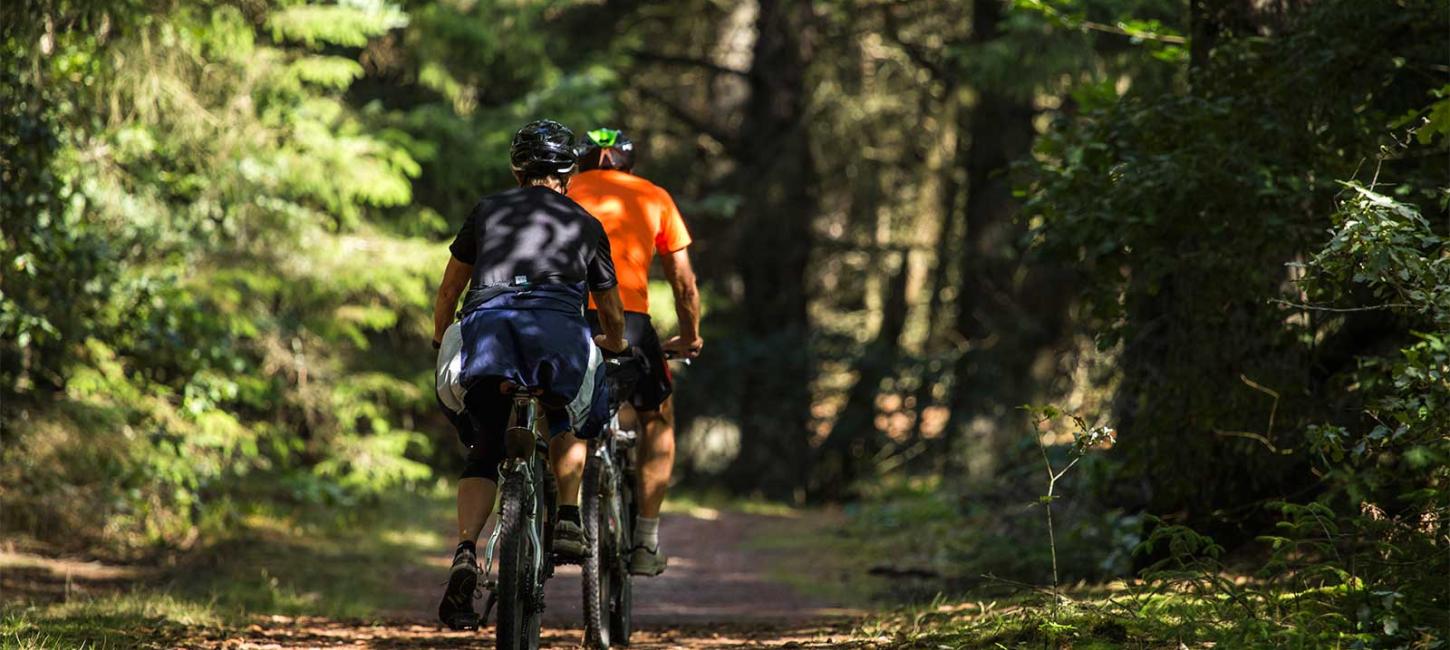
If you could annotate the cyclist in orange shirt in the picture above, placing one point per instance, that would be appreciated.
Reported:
(641, 221)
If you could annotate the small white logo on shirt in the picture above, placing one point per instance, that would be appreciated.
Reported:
(521, 279)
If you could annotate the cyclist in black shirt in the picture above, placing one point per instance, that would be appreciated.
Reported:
(532, 255)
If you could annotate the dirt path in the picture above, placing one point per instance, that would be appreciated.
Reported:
(713, 577)
(397, 635)
(717, 593)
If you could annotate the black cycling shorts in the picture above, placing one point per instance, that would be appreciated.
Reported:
(656, 385)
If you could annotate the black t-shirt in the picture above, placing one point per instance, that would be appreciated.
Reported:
(533, 236)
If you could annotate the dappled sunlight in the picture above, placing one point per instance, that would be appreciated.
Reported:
(694, 511)
(710, 444)
(422, 540)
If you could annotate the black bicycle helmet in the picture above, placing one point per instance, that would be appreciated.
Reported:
(543, 148)
(606, 149)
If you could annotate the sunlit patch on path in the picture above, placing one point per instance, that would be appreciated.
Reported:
(712, 578)
(43, 579)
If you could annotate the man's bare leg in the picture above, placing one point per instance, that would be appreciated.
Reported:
(567, 454)
(475, 503)
(656, 462)
(656, 458)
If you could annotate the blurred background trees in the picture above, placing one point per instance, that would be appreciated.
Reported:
(1216, 226)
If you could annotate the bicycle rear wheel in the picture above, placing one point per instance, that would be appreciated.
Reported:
(518, 617)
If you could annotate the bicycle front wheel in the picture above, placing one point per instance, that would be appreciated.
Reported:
(518, 614)
(621, 594)
(599, 542)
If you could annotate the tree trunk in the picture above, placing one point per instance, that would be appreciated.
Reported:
(777, 184)
(1000, 131)
(854, 439)
(936, 348)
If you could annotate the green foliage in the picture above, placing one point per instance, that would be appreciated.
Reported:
(1189, 597)
(349, 24)
(179, 313)
(215, 289)
(1191, 214)
(482, 69)
(1388, 462)
(1386, 245)
(1182, 209)
(135, 620)
(1163, 42)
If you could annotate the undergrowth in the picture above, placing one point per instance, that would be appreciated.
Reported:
(289, 562)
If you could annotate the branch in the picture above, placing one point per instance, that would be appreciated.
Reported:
(1147, 36)
(1085, 25)
(1267, 391)
(1058, 476)
(1257, 437)
(1021, 585)
(1037, 435)
(691, 120)
(1342, 310)
(667, 59)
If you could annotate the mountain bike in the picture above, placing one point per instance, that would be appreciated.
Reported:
(608, 513)
(527, 510)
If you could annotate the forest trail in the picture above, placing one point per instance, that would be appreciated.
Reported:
(722, 590)
(717, 593)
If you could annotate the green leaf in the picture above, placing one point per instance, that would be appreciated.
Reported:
(314, 25)
(327, 71)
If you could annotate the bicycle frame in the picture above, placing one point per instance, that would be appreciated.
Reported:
(616, 440)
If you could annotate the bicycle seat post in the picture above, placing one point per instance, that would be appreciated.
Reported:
(519, 440)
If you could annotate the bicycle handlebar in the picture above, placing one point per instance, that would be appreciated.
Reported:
(670, 355)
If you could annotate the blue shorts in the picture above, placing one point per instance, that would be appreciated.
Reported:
(535, 339)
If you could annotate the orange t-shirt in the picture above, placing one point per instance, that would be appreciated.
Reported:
(640, 219)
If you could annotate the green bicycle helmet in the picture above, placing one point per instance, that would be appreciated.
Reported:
(606, 149)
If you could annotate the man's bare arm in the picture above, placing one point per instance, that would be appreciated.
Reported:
(681, 277)
(611, 320)
(455, 280)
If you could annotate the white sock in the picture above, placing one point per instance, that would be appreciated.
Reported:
(647, 532)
